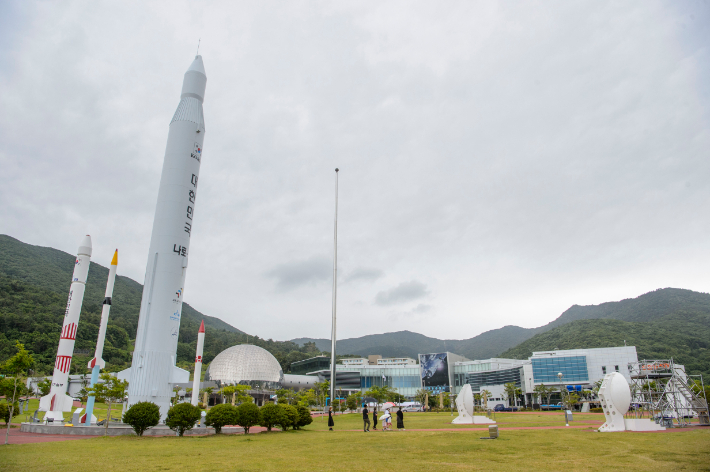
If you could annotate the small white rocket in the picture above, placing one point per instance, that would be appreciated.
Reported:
(56, 402)
(198, 364)
(97, 363)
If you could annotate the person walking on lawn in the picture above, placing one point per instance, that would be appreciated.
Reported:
(374, 418)
(330, 419)
(400, 419)
(365, 419)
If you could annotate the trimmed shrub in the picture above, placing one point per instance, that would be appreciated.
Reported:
(182, 417)
(221, 415)
(141, 416)
(270, 416)
(248, 415)
(596, 410)
(304, 417)
(288, 418)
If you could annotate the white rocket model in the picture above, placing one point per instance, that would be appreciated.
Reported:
(153, 371)
(97, 363)
(57, 401)
(198, 364)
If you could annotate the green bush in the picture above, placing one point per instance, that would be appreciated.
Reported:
(248, 415)
(288, 417)
(141, 416)
(596, 410)
(304, 417)
(182, 417)
(221, 415)
(270, 416)
(5, 411)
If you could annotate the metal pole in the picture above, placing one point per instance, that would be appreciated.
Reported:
(335, 293)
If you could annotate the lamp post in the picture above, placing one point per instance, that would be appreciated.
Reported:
(559, 376)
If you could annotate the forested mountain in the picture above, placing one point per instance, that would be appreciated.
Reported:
(684, 337)
(34, 284)
(668, 310)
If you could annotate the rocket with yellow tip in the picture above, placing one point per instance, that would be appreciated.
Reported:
(97, 363)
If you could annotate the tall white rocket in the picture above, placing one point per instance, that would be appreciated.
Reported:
(153, 371)
(198, 364)
(57, 401)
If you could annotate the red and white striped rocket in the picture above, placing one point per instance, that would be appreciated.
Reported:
(198, 364)
(57, 401)
(98, 360)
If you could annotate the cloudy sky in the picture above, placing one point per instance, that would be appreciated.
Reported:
(500, 162)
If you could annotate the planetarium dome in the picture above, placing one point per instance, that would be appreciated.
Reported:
(246, 364)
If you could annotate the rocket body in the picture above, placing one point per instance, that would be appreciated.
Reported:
(97, 363)
(153, 371)
(198, 364)
(57, 401)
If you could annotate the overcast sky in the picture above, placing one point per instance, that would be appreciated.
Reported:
(500, 162)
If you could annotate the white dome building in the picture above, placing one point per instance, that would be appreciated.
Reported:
(246, 364)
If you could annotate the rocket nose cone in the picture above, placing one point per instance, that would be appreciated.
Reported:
(197, 65)
(85, 246)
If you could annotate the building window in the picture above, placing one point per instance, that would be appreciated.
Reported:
(604, 370)
(573, 368)
(616, 368)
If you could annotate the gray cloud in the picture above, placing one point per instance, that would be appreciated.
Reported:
(363, 273)
(402, 293)
(422, 308)
(295, 274)
(518, 159)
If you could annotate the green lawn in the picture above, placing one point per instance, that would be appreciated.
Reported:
(315, 449)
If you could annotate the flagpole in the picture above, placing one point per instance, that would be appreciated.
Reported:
(335, 293)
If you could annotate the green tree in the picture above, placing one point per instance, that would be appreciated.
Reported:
(379, 393)
(485, 395)
(221, 415)
(397, 397)
(182, 417)
(304, 417)
(230, 391)
(511, 393)
(288, 417)
(5, 411)
(351, 402)
(141, 416)
(44, 386)
(248, 415)
(16, 366)
(270, 416)
(421, 396)
(110, 391)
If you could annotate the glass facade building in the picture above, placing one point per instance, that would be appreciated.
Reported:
(494, 377)
(314, 364)
(573, 368)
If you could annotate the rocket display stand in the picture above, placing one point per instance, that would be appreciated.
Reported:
(464, 405)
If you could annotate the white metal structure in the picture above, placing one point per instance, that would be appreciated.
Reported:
(615, 397)
(661, 390)
(335, 291)
(464, 405)
(56, 402)
(153, 371)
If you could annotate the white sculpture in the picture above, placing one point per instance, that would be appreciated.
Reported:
(464, 404)
(615, 397)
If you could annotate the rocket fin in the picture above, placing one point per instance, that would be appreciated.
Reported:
(179, 375)
(124, 374)
(100, 362)
(54, 402)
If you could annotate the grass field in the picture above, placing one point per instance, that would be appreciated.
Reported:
(316, 449)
